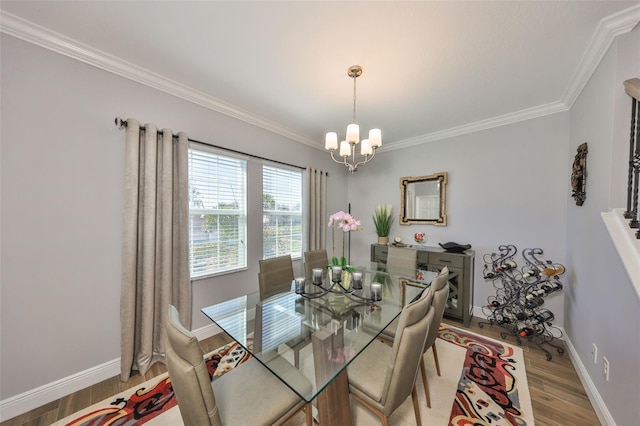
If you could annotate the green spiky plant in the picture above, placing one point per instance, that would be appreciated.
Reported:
(383, 219)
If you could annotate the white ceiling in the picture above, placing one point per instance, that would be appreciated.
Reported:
(430, 67)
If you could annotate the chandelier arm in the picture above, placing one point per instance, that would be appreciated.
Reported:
(367, 158)
(343, 161)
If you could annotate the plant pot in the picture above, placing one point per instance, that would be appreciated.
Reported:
(383, 240)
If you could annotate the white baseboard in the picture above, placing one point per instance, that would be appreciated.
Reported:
(32, 399)
(207, 331)
(27, 401)
(592, 392)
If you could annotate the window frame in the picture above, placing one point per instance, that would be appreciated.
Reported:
(297, 213)
(241, 241)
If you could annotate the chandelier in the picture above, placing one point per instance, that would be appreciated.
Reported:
(347, 150)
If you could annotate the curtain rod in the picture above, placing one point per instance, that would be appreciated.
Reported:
(121, 124)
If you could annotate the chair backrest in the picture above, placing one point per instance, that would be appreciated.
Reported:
(275, 276)
(189, 376)
(440, 289)
(402, 258)
(408, 347)
(315, 259)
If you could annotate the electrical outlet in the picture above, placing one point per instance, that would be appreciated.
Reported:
(594, 353)
(605, 368)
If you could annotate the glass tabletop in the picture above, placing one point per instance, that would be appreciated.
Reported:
(307, 342)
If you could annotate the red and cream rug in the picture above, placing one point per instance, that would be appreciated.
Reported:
(483, 382)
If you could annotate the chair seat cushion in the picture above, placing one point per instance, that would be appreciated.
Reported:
(368, 371)
(249, 394)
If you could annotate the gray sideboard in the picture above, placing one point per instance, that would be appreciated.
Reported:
(460, 303)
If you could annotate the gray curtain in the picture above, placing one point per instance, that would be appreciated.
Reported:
(155, 258)
(317, 202)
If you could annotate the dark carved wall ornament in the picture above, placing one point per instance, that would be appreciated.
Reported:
(579, 175)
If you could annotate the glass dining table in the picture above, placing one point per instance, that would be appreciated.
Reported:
(307, 340)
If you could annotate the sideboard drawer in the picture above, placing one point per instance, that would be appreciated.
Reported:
(460, 301)
(446, 259)
(379, 253)
(423, 257)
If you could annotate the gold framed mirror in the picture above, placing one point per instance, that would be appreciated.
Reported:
(423, 200)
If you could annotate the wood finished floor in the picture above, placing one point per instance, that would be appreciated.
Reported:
(557, 395)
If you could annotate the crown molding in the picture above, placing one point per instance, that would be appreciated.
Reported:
(503, 120)
(28, 31)
(605, 33)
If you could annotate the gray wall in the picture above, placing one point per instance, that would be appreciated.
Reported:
(601, 305)
(507, 185)
(62, 190)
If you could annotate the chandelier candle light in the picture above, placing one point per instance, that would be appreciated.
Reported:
(348, 146)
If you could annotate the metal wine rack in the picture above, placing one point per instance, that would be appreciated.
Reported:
(518, 305)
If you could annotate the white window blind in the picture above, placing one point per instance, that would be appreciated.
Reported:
(281, 212)
(232, 316)
(276, 322)
(217, 212)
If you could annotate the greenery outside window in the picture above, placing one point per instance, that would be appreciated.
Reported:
(217, 212)
(281, 212)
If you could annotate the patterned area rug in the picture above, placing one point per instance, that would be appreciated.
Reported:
(493, 384)
(483, 382)
(152, 398)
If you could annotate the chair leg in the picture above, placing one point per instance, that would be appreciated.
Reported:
(308, 411)
(435, 357)
(423, 370)
(383, 419)
(416, 405)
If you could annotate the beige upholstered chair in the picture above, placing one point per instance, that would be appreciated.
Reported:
(440, 289)
(382, 377)
(315, 259)
(224, 402)
(402, 258)
(275, 276)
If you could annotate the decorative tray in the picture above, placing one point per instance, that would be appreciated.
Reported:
(455, 247)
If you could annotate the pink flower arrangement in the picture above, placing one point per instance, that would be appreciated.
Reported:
(419, 237)
(346, 223)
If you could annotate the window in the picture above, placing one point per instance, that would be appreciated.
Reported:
(217, 212)
(281, 212)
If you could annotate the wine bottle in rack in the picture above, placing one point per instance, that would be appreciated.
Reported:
(530, 330)
(506, 265)
(555, 286)
(533, 271)
(554, 269)
(546, 315)
(534, 303)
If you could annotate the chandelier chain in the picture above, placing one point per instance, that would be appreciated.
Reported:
(354, 97)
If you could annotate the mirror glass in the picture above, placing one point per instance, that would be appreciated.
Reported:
(423, 200)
